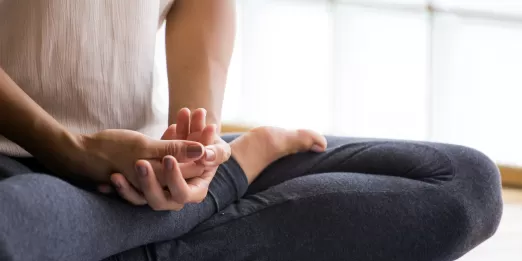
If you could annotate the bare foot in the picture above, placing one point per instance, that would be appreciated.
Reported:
(258, 148)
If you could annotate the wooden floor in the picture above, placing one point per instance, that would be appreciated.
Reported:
(506, 244)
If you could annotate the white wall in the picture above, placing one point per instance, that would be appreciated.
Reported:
(380, 68)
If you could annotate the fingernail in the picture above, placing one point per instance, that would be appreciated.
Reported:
(169, 163)
(142, 170)
(105, 189)
(194, 151)
(210, 155)
(317, 148)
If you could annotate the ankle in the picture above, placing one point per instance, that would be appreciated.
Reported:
(258, 148)
(253, 153)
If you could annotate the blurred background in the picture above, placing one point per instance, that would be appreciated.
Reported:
(440, 70)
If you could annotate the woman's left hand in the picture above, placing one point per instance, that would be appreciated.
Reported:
(198, 174)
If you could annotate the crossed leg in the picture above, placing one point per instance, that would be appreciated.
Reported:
(43, 217)
(364, 199)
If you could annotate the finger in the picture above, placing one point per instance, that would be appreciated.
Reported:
(208, 135)
(105, 189)
(178, 187)
(191, 169)
(199, 186)
(152, 190)
(197, 121)
(126, 190)
(183, 124)
(188, 170)
(216, 154)
(157, 167)
(170, 133)
(182, 150)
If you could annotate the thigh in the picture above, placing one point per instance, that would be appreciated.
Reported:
(331, 216)
(45, 218)
(429, 162)
(464, 172)
(363, 199)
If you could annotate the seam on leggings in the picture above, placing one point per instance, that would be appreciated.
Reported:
(336, 150)
(359, 151)
(366, 145)
(283, 202)
(387, 142)
(441, 152)
(448, 158)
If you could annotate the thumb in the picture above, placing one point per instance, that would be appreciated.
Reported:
(216, 154)
(182, 150)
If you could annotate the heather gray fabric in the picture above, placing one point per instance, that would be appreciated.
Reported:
(45, 218)
(364, 199)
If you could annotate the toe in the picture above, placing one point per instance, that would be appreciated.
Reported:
(312, 140)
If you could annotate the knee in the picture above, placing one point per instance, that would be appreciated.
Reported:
(25, 195)
(476, 183)
(22, 216)
(473, 165)
(463, 224)
(476, 196)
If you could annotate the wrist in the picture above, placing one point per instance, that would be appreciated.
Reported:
(60, 151)
(72, 144)
(42, 139)
(68, 146)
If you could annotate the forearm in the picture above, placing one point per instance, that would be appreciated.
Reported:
(199, 41)
(205, 89)
(24, 122)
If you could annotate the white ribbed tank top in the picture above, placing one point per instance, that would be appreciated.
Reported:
(89, 63)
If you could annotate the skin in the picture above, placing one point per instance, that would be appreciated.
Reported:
(199, 42)
(184, 182)
(253, 151)
(71, 155)
(199, 46)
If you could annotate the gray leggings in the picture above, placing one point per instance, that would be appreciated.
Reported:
(364, 199)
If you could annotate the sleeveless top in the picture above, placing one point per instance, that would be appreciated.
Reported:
(88, 63)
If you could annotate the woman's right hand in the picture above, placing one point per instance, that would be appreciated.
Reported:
(114, 150)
